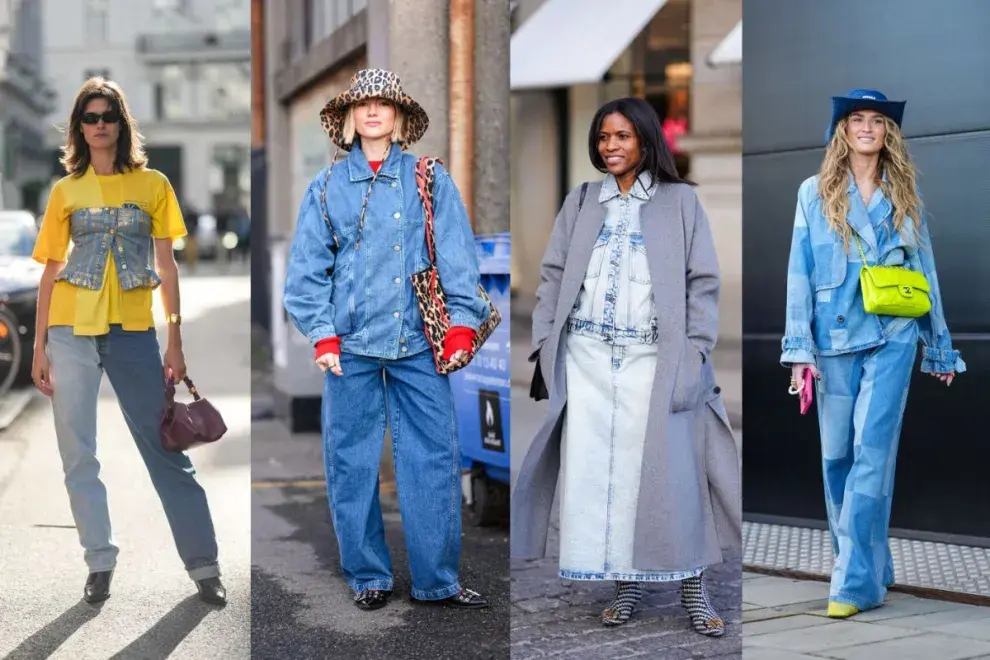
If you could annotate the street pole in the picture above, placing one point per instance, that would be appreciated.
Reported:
(462, 100)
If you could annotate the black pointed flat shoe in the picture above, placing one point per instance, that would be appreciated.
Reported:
(465, 600)
(97, 587)
(372, 599)
(212, 591)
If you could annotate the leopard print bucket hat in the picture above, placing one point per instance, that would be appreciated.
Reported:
(370, 84)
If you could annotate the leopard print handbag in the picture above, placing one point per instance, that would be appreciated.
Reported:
(426, 283)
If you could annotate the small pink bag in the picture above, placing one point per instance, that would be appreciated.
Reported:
(189, 425)
(807, 391)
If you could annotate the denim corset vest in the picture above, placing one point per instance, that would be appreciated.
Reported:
(123, 233)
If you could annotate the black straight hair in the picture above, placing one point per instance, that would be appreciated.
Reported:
(656, 156)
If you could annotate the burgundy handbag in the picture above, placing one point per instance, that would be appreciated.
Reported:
(189, 425)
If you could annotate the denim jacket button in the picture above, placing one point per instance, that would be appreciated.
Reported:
(841, 318)
(398, 280)
(395, 314)
(396, 215)
(402, 340)
(396, 248)
(394, 184)
(404, 349)
(717, 389)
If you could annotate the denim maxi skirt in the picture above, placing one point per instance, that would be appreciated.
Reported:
(608, 401)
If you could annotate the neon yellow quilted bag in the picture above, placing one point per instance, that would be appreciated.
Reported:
(893, 290)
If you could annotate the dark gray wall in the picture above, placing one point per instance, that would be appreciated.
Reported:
(797, 54)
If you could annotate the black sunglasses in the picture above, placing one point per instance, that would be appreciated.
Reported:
(108, 117)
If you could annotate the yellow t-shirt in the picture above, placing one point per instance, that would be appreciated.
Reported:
(93, 312)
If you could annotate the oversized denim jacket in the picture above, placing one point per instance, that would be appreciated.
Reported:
(364, 294)
(109, 232)
(825, 314)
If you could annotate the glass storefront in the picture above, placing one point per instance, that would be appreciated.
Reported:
(657, 67)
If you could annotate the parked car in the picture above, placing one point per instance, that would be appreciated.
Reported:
(19, 279)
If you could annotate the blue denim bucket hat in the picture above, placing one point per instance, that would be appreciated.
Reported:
(863, 99)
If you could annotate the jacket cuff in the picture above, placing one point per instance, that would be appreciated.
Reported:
(797, 350)
(458, 338)
(941, 361)
(462, 318)
(328, 345)
(320, 333)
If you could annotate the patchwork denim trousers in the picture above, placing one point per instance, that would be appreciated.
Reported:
(134, 366)
(861, 401)
(418, 404)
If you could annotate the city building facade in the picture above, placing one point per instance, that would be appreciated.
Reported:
(185, 67)
(26, 97)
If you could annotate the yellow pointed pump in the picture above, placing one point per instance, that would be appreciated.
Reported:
(841, 610)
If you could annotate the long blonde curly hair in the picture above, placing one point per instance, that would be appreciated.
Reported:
(900, 186)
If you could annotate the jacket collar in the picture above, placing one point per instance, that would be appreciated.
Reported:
(357, 163)
(640, 189)
(859, 217)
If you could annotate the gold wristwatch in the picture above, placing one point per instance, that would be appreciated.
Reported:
(174, 319)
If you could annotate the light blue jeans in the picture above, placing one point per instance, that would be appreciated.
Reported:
(427, 470)
(861, 401)
(133, 363)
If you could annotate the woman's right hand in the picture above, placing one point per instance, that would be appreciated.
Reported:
(41, 372)
(330, 361)
(797, 373)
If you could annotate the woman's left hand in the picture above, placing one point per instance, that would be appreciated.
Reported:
(174, 362)
(459, 358)
(945, 378)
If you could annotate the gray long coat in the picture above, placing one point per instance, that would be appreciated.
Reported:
(690, 507)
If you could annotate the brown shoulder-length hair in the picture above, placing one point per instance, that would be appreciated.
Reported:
(130, 143)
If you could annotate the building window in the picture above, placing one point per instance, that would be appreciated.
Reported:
(97, 19)
(326, 16)
(170, 93)
(179, 6)
(228, 90)
(233, 15)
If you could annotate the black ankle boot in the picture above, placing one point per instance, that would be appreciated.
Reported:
(97, 587)
(212, 591)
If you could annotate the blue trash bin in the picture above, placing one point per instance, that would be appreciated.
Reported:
(482, 389)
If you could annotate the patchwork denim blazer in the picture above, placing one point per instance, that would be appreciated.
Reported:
(825, 314)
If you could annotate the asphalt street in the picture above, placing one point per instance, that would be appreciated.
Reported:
(302, 607)
(153, 611)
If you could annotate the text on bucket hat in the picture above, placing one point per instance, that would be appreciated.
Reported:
(373, 84)
(863, 99)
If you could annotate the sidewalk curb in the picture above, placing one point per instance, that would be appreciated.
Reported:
(930, 593)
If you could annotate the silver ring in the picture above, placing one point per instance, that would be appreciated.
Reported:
(792, 390)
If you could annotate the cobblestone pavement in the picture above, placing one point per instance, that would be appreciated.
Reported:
(554, 618)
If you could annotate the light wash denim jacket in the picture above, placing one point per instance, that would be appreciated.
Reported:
(364, 295)
(102, 233)
(615, 304)
(825, 314)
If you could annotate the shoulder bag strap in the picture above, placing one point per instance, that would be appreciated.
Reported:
(861, 253)
(323, 203)
(425, 180)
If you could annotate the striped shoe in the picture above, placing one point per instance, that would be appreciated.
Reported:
(627, 597)
(694, 598)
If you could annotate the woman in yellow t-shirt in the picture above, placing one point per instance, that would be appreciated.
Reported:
(94, 315)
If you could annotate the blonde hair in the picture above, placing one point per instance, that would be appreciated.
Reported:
(900, 186)
(398, 130)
